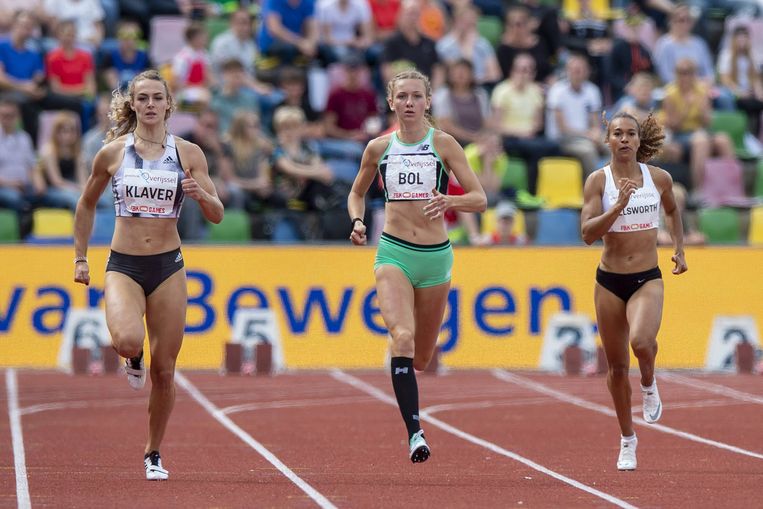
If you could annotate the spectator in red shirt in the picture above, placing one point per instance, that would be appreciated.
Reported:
(71, 71)
(505, 215)
(351, 119)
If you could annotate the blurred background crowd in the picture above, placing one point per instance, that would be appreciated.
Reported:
(283, 95)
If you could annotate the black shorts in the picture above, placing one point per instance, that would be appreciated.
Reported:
(625, 285)
(149, 271)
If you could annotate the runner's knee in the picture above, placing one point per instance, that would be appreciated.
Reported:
(127, 341)
(402, 342)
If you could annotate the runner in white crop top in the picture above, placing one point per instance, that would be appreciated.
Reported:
(621, 207)
(643, 209)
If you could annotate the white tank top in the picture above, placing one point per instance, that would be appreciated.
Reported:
(643, 209)
(410, 171)
(148, 188)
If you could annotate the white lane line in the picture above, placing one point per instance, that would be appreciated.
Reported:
(69, 405)
(245, 437)
(359, 384)
(430, 410)
(706, 403)
(574, 400)
(714, 388)
(294, 403)
(17, 438)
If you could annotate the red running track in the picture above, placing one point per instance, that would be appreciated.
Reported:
(333, 439)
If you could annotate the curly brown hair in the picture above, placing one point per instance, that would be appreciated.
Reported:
(122, 115)
(650, 133)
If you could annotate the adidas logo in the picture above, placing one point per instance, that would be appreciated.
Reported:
(168, 160)
(179, 258)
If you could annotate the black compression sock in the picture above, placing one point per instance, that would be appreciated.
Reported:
(406, 392)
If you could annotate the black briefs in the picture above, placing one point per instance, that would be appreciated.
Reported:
(625, 285)
(149, 271)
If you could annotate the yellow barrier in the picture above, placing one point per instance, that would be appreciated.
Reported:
(323, 298)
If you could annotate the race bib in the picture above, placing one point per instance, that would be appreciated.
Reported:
(150, 192)
(411, 177)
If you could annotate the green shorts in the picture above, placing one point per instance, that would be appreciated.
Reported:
(423, 265)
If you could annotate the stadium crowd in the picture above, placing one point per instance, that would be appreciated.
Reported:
(284, 95)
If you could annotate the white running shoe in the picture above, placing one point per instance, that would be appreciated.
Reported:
(136, 372)
(652, 403)
(154, 469)
(627, 458)
(419, 450)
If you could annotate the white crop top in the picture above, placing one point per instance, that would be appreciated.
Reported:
(410, 171)
(643, 209)
(148, 188)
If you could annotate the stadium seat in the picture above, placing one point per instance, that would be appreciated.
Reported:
(724, 184)
(558, 227)
(560, 182)
(103, 226)
(9, 226)
(720, 225)
(515, 176)
(235, 227)
(755, 235)
(733, 123)
(52, 226)
(167, 38)
(491, 28)
(489, 220)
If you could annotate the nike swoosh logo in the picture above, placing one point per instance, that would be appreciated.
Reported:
(656, 414)
(640, 281)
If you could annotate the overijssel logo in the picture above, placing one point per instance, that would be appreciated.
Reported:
(418, 164)
(155, 179)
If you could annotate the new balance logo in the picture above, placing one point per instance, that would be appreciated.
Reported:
(424, 147)
(179, 258)
(168, 160)
(401, 370)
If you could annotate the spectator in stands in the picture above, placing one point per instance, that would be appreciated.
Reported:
(408, 48)
(461, 108)
(679, 43)
(235, 43)
(628, 57)
(297, 163)
(192, 76)
(687, 112)
(351, 119)
(9, 8)
(22, 74)
(345, 27)
(71, 71)
(465, 42)
(289, 31)
(518, 106)
(87, 15)
(93, 139)
(573, 115)
(206, 134)
(518, 37)
(545, 23)
(587, 33)
(122, 63)
(63, 166)
(639, 101)
(21, 185)
(233, 95)
(384, 14)
(503, 234)
(636, 24)
(250, 181)
(294, 87)
(489, 162)
(736, 67)
(433, 21)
